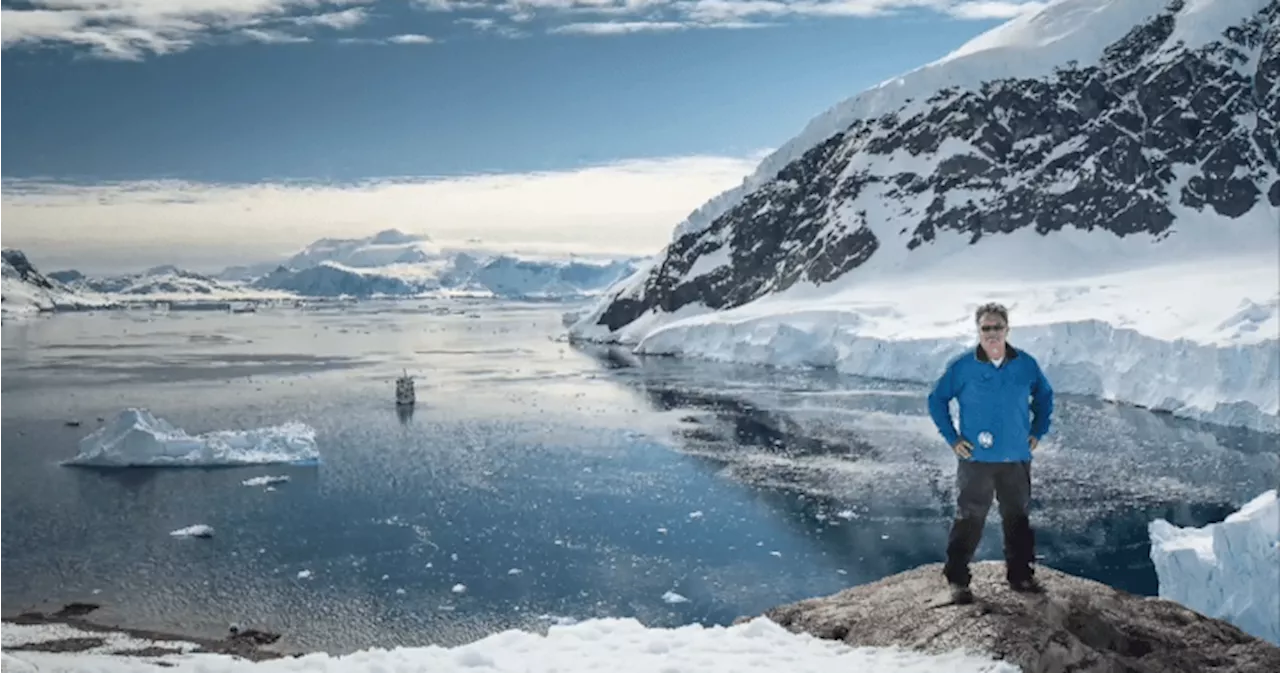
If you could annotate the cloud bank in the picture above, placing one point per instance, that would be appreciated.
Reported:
(627, 207)
(136, 29)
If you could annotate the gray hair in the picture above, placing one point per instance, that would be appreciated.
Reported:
(990, 308)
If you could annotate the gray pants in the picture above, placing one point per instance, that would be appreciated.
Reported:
(1010, 484)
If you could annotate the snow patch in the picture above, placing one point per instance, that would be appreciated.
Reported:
(622, 645)
(136, 438)
(1228, 570)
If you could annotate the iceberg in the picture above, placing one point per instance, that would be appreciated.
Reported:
(136, 438)
(1228, 570)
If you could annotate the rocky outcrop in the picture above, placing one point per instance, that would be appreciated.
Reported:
(1077, 625)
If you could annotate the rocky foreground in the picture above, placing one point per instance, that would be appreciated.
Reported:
(1076, 626)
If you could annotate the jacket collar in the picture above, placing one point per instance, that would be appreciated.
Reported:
(1009, 353)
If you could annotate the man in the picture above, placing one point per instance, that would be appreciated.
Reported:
(998, 432)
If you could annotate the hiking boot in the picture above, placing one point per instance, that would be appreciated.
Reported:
(1026, 585)
(960, 594)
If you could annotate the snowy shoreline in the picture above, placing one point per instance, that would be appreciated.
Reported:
(1153, 337)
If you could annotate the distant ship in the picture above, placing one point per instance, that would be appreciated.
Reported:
(405, 395)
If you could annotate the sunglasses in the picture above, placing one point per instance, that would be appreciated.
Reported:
(993, 328)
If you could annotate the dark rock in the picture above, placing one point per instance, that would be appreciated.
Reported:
(76, 610)
(16, 262)
(1077, 625)
(62, 645)
(253, 637)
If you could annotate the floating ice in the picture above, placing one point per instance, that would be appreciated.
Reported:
(265, 481)
(198, 530)
(136, 438)
(1228, 570)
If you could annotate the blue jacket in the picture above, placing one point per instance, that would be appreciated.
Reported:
(994, 412)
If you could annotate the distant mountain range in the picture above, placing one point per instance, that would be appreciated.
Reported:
(390, 263)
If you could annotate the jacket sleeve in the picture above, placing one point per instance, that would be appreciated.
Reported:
(1041, 403)
(944, 390)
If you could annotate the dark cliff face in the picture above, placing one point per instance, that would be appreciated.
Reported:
(1114, 147)
(24, 269)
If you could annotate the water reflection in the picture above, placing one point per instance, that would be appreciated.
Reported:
(867, 449)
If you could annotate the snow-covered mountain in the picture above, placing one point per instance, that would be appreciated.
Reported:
(384, 248)
(1043, 163)
(23, 289)
(508, 276)
(331, 279)
(166, 280)
(393, 263)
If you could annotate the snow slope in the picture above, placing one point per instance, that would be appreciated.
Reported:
(1100, 165)
(1228, 570)
(620, 645)
(24, 290)
(136, 438)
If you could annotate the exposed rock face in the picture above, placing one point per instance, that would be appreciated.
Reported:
(16, 265)
(1118, 147)
(1077, 625)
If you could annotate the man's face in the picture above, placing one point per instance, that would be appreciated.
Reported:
(992, 331)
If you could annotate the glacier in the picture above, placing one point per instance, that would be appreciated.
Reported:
(1228, 570)
(137, 438)
(1021, 168)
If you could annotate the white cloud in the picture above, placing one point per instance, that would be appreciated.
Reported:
(992, 9)
(623, 27)
(633, 16)
(625, 207)
(134, 29)
(410, 39)
(618, 27)
(347, 18)
(269, 36)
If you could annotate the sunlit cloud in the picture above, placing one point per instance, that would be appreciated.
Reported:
(627, 207)
(136, 29)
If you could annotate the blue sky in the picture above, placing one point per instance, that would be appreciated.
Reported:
(191, 110)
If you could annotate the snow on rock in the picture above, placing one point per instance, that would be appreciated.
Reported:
(1077, 625)
(622, 645)
(1030, 167)
(136, 438)
(24, 290)
(1228, 570)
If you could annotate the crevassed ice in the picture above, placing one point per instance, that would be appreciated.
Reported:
(1228, 570)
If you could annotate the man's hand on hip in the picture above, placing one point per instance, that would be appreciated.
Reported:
(1033, 442)
(963, 448)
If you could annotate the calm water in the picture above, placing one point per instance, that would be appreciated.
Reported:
(551, 482)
